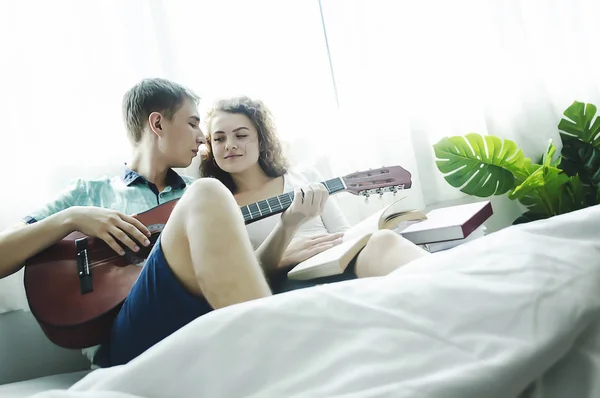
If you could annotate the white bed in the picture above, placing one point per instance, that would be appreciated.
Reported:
(514, 314)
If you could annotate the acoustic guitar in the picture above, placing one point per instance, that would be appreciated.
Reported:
(76, 287)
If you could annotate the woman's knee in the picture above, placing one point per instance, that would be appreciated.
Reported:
(384, 239)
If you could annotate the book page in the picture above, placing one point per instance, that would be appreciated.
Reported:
(366, 226)
(330, 262)
(328, 256)
(393, 209)
(371, 223)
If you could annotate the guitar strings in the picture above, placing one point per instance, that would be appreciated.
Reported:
(284, 200)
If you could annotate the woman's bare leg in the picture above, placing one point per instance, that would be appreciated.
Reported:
(385, 252)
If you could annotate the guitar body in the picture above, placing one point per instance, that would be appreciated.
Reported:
(69, 318)
(76, 287)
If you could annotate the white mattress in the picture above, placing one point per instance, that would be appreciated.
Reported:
(516, 309)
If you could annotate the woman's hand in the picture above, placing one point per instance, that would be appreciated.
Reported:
(301, 249)
(308, 203)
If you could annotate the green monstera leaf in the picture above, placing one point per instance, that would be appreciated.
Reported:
(486, 165)
(573, 196)
(481, 165)
(581, 144)
(581, 158)
(529, 216)
(579, 123)
(549, 191)
(541, 191)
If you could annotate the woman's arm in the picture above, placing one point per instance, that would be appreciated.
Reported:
(334, 220)
(332, 216)
(308, 202)
(271, 251)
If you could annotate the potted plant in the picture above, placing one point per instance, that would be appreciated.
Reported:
(485, 165)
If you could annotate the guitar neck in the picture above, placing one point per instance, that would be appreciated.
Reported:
(278, 204)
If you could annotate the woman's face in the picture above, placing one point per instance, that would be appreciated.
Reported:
(234, 142)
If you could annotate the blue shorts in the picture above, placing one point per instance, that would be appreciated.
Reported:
(157, 306)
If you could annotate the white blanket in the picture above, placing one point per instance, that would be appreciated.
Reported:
(516, 310)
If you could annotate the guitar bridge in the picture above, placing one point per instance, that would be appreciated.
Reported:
(83, 266)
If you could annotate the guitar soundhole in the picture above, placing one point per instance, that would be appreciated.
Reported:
(155, 228)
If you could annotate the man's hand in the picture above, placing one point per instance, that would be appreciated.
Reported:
(110, 226)
(308, 203)
(301, 249)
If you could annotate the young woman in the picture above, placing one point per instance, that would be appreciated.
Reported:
(245, 154)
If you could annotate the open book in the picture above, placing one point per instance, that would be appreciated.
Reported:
(440, 225)
(335, 260)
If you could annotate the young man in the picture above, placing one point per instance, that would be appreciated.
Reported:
(203, 259)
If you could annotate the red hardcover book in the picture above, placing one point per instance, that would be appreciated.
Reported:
(448, 223)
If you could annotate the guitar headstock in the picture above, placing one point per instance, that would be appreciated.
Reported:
(378, 181)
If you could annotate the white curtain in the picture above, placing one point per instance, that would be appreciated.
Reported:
(410, 72)
(406, 72)
(65, 65)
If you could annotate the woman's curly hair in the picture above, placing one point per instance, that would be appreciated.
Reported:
(270, 159)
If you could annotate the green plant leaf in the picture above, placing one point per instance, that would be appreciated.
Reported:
(573, 195)
(542, 190)
(579, 123)
(581, 143)
(466, 164)
(529, 168)
(529, 216)
(548, 157)
(581, 158)
(546, 176)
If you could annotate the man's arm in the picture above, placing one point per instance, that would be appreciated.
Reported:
(23, 241)
(50, 224)
(17, 245)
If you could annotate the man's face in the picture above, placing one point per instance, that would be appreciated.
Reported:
(181, 136)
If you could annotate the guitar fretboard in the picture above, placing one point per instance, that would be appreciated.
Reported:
(278, 204)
